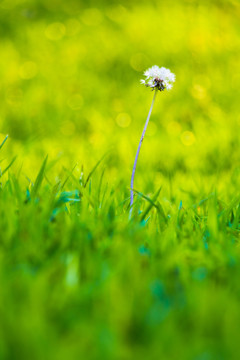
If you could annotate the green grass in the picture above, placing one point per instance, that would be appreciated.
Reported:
(78, 280)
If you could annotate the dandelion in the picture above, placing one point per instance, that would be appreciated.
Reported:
(157, 79)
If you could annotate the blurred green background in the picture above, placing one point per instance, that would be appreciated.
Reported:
(70, 85)
(92, 286)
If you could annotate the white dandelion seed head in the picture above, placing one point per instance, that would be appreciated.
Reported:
(159, 78)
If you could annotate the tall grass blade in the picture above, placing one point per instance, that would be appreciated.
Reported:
(39, 178)
(93, 170)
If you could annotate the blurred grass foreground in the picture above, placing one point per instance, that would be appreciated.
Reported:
(77, 279)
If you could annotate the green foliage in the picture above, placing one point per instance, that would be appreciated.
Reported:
(78, 279)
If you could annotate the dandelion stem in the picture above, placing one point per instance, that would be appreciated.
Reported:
(138, 151)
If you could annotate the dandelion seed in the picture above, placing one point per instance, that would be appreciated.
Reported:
(157, 79)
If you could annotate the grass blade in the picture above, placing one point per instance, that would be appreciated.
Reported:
(151, 204)
(39, 178)
(70, 176)
(151, 201)
(1, 145)
(100, 186)
(7, 168)
(94, 169)
(67, 178)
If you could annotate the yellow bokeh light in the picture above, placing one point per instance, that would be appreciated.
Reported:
(92, 17)
(72, 27)
(123, 120)
(198, 92)
(152, 129)
(173, 128)
(55, 31)
(117, 13)
(188, 138)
